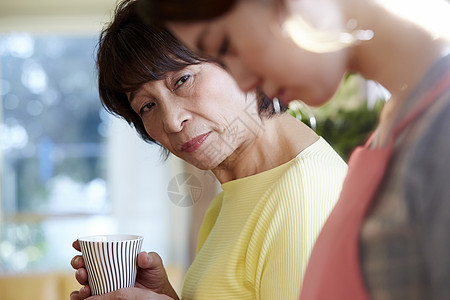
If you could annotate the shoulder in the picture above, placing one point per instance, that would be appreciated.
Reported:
(310, 185)
(209, 219)
(213, 210)
(428, 164)
(430, 151)
(316, 167)
(320, 150)
(434, 127)
(318, 155)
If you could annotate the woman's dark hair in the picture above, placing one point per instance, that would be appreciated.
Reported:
(131, 53)
(184, 10)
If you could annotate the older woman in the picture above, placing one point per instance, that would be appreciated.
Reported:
(279, 179)
(388, 236)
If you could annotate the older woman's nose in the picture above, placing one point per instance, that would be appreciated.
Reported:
(175, 118)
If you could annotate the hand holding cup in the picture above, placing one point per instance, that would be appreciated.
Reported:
(111, 261)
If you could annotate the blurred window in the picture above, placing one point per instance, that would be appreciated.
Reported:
(52, 142)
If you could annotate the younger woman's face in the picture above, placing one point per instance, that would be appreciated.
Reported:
(198, 113)
(250, 41)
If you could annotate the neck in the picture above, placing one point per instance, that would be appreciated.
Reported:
(398, 56)
(281, 139)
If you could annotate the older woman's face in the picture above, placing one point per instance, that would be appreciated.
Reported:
(250, 41)
(198, 113)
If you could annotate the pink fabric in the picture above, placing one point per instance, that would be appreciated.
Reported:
(334, 270)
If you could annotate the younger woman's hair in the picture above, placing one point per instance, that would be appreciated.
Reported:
(184, 10)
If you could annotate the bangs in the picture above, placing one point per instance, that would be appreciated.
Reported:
(140, 54)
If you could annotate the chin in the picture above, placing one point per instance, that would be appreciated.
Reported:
(287, 98)
(317, 102)
(311, 100)
(202, 165)
(320, 98)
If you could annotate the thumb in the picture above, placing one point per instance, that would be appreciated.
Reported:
(150, 260)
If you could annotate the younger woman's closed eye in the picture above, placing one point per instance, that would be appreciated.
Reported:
(224, 47)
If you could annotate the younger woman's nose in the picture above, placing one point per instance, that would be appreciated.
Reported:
(245, 78)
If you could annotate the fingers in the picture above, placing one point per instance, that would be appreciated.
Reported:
(83, 293)
(76, 245)
(81, 274)
(74, 295)
(130, 294)
(77, 262)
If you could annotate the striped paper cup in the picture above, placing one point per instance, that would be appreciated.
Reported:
(111, 261)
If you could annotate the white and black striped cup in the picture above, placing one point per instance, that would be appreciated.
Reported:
(111, 261)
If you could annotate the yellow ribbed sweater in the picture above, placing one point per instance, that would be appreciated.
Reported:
(257, 234)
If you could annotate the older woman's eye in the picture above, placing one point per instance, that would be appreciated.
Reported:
(181, 81)
(146, 108)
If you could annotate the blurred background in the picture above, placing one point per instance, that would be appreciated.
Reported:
(68, 169)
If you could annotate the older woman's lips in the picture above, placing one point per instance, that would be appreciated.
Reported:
(195, 143)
